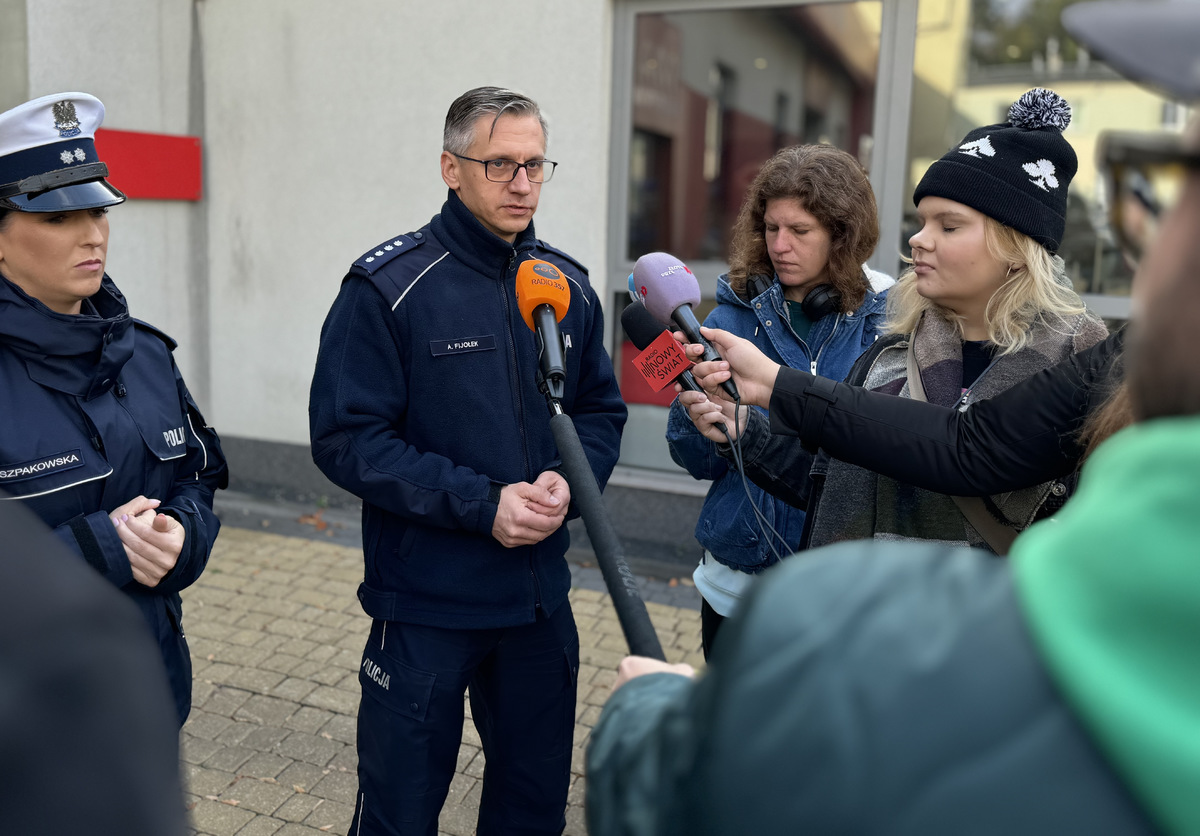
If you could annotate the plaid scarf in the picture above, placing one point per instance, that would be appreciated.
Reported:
(856, 503)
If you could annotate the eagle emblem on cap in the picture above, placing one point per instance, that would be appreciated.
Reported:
(65, 119)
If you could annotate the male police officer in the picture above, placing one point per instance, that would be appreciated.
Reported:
(425, 404)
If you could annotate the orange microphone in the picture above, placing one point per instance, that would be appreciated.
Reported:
(543, 297)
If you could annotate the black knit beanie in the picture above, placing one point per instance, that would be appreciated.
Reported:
(1016, 172)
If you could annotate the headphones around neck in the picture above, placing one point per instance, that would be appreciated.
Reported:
(818, 303)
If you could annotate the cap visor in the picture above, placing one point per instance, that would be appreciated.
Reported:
(91, 195)
(1156, 43)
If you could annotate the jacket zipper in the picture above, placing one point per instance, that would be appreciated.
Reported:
(815, 360)
(92, 432)
(512, 346)
(512, 353)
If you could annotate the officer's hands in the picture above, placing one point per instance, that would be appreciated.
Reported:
(529, 513)
(560, 494)
(632, 667)
(153, 542)
(135, 506)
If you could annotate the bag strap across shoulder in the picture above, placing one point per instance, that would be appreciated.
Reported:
(997, 535)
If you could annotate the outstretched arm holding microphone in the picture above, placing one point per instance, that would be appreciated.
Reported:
(752, 372)
(778, 464)
(1024, 436)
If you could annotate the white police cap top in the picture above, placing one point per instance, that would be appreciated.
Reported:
(48, 160)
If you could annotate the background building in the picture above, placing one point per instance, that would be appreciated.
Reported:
(283, 138)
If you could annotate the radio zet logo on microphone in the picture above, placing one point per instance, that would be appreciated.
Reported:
(675, 268)
(663, 365)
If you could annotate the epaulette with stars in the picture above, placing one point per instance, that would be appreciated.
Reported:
(372, 260)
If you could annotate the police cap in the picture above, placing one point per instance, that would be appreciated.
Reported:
(48, 160)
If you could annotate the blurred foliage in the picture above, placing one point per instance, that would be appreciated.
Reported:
(1008, 32)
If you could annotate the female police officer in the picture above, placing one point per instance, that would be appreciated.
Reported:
(100, 437)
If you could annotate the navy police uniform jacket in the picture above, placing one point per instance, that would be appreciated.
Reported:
(424, 403)
(96, 413)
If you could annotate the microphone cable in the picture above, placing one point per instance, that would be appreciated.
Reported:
(764, 525)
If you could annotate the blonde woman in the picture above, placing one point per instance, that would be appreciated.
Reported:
(99, 436)
(985, 305)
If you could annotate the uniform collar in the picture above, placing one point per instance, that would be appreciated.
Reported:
(473, 244)
(79, 354)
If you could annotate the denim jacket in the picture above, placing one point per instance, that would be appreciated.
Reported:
(728, 526)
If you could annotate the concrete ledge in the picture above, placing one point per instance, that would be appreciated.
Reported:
(279, 471)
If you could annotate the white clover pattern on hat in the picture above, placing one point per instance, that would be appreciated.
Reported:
(1042, 174)
(979, 148)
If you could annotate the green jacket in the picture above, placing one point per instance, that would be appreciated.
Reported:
(1111, 591)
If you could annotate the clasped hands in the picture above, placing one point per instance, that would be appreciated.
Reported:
(752, 372)
(530, 512)
(153, 541)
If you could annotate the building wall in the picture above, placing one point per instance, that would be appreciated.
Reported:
(135, 55)
(14, 60)
(323, 130)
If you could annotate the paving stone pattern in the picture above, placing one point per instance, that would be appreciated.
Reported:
(276, 634)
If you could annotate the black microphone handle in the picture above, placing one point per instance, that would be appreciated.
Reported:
(688, 381)
(622, 585)
(553, 362)
(686, 320)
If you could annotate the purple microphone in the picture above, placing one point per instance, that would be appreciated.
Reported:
(669, 290)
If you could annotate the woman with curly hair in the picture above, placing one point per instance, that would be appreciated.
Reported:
(796, 288)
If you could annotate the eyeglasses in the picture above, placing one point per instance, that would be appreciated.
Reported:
(505, 171)
(1145, 175)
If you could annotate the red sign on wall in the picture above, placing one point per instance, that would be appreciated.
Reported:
(152, 166)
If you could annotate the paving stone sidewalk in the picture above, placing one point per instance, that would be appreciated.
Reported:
(276, 634)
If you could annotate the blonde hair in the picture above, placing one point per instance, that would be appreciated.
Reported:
(1036, 288)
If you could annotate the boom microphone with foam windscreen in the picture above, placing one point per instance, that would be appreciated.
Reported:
(621, 584)
(543, 297)
(669, 290)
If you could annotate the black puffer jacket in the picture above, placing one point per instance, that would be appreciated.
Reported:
(1027, 435)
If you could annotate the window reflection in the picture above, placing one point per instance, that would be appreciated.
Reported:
(718, 92)
(975, 57)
